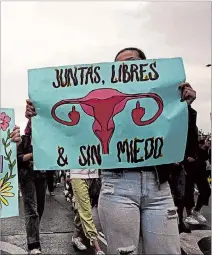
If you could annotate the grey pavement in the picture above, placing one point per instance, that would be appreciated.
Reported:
(57, 229)
(199, 241)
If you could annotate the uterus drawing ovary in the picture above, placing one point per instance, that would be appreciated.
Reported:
(103, 105)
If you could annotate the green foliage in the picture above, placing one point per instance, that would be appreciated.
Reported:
(7, 157)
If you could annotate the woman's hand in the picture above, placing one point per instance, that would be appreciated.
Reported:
(30, 110)
(28, 157)
(15, 135)
(190, 159)
(187, 93)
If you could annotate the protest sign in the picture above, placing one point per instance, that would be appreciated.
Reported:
(108, 115)
(8, 166)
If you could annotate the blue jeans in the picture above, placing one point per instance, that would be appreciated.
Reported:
(33, 188)
(131, 206)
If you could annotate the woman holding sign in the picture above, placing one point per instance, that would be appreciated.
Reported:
(138, 202)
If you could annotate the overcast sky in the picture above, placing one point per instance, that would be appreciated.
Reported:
(39, 34)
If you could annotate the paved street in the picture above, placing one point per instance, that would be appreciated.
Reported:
(57, 229)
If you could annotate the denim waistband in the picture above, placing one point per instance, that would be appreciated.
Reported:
(122, 171)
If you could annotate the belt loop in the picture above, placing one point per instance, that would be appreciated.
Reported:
(157, 178)
(141, 174)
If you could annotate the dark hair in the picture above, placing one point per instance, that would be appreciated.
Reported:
(140, 52)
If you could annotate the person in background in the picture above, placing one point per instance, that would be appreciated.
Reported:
(195, 165)
(16, 138)
(208, 168)
(58, 177)
(138, 202)
(177, 185)
(83, 184)
(33, 188)
(81, 181)
(50, 181)
(68, 191)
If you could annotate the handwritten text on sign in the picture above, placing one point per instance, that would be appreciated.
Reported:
(122, 114)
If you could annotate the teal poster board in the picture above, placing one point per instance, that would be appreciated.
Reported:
(108, 115)
(8, 166)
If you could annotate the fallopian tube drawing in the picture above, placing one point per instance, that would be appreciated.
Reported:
(103, 105)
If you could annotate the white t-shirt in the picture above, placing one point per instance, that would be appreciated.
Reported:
(83, 173)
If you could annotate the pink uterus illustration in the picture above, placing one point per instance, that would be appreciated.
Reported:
(103, 105)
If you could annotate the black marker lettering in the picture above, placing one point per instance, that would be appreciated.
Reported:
(64, 83)
(120, 73)
(82, 69)
(97, 77)
(58, 80)
(96, 152)
(136, 151)
(89, 74)
(158, 147)
(126, 74)
(156, 74)
(149, 152)
(113, 78)
(84, 161)
(134, 70)
(143, 76)
(121, 148)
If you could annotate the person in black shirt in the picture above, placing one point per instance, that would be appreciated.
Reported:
(50, 181)
(33, 188)
(195, 166)
(177, 185)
